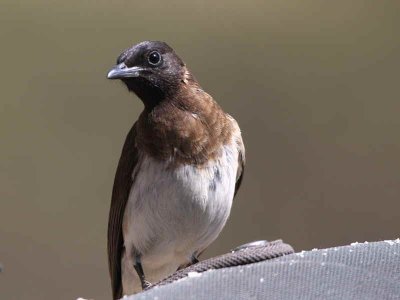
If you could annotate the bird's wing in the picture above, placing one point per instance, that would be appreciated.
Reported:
(240, 147)
(122, 185)
(240, 171)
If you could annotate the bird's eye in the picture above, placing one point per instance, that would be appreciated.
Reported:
(154, 58)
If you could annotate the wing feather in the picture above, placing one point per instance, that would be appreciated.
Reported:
(122, 184)
(240, 171)
(241, 158)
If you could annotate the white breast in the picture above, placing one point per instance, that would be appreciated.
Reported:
(174, 212)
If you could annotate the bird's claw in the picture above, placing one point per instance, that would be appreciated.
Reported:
(146, 284)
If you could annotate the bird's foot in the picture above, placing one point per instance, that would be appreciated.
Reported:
(193, 260)
(139, 270)
(145, 284)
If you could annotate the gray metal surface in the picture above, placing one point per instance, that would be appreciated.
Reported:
(358, 271)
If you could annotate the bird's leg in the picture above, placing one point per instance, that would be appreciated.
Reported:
(193, 260)
(139, 270)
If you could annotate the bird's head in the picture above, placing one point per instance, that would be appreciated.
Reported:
(151, 70)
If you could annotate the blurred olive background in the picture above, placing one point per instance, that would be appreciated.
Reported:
(314, 86)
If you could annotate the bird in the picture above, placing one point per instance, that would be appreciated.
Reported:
(181, 165)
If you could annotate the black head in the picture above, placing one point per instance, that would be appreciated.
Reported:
(150, 69)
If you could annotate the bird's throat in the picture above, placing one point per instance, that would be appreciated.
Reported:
(150, 95)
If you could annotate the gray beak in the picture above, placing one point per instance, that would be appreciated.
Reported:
(122, 71)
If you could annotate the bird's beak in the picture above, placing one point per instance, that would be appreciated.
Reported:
(122, 71)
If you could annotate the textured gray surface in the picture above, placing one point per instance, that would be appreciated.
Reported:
(358, 271)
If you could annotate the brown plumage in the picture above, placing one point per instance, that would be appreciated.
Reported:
(190, 128)
(180, 125)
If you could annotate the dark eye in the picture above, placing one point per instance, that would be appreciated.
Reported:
(154, 58)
